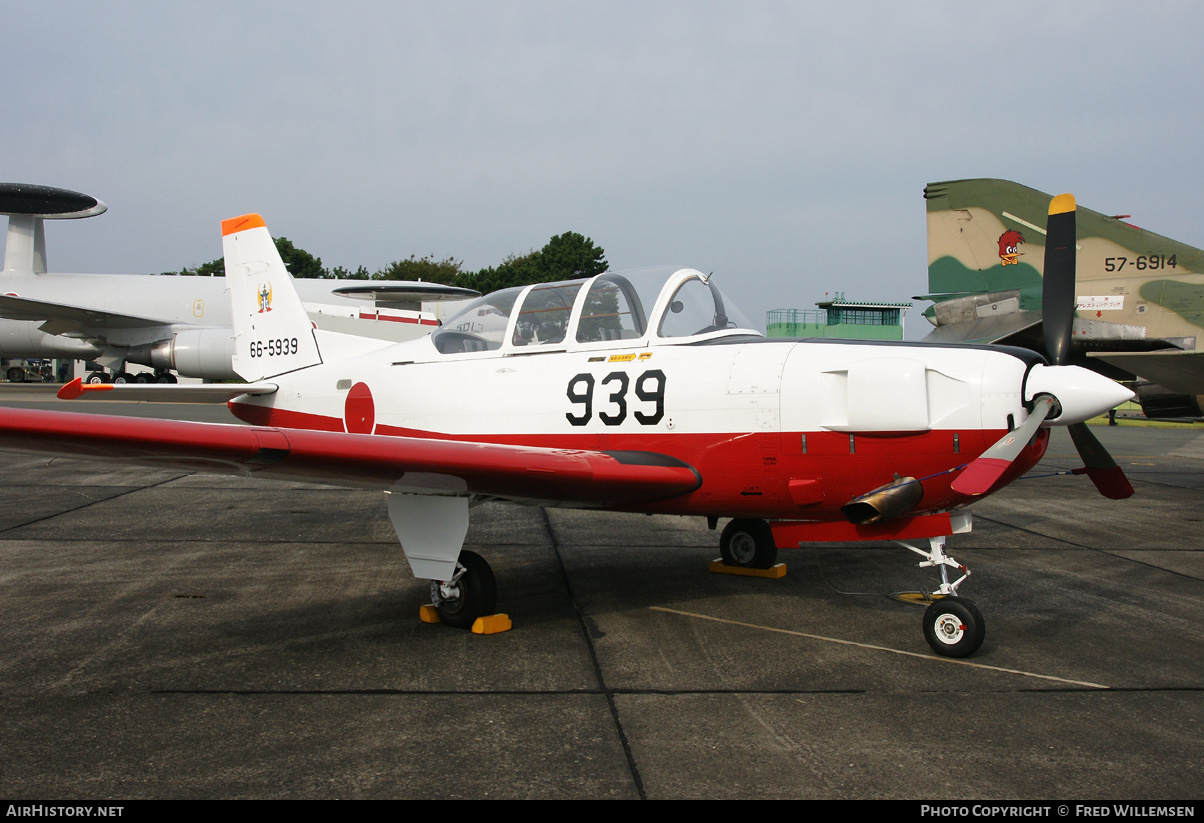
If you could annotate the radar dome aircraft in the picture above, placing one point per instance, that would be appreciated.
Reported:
(639, 392)
(170, 324)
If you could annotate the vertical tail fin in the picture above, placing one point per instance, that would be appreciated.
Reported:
(272, 332)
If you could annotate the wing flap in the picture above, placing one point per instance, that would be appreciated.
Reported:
(521, 473)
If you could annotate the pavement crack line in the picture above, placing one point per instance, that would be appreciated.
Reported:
(871, 647)
(92, 501)
(1085, 547)
(593, 657)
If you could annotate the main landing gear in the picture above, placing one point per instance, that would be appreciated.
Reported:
(124, 377)
(748, 544)
(469, 594)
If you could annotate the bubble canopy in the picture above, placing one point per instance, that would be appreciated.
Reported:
(663, 305)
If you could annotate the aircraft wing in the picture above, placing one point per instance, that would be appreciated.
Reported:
(1179, 371)
(404, 464)
(22, 308)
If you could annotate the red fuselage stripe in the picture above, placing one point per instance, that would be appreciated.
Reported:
(748, 474)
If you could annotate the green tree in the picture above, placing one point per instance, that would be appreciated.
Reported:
(340, 273)
(566, 256)
(299, 262)
(570, 255)
(214, 268)
(427, 269)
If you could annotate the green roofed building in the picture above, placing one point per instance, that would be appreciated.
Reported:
(840, 318)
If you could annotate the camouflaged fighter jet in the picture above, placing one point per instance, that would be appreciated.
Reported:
(1139, 299)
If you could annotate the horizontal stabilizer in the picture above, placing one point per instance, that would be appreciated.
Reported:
(1179, 371)
(163, 392)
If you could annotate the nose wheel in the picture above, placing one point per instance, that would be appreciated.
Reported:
(954, 627)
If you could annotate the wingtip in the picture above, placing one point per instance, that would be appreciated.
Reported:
(242, 223)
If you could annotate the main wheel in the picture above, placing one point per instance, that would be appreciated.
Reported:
(96, 377)
(144, 377)
(16, 375)
(122, 378)
(954, 627)
(748, 543)
(471, 593)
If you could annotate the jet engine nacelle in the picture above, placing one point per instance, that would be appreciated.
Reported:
(23, 339)
(204, 353)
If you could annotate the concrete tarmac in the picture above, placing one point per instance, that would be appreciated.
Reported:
(173, 635)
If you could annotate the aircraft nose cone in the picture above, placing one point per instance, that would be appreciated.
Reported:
(1081, 393)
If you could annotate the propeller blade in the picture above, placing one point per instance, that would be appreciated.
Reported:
(1057, 308)
(1099, 465)
(983, 472)
(1057, 285)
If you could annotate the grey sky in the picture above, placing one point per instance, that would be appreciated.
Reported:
(784, 146)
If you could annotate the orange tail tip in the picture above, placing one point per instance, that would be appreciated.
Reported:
(246, 221)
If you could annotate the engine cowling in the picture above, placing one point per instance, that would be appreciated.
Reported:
(204, 353)
(20, 339)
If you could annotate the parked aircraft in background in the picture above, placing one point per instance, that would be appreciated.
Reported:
(643, 392)
(171, 324)
(1140, 296)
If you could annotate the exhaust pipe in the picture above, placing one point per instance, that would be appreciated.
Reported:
(900, 495)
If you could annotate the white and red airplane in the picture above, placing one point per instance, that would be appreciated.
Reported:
(642, 392)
